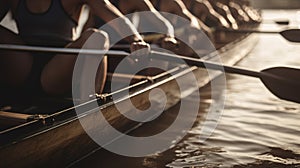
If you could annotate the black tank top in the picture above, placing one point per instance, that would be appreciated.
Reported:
(115, 3)
(156, 5)
(51, 28)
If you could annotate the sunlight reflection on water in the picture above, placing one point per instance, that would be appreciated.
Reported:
(256, 129)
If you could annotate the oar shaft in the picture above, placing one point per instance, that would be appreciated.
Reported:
(242, 71)
(201, 63)
(72, 51)
(292, 35)
(153, 54)
(249, 31)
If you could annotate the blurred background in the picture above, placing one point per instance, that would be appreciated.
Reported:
(276, 4)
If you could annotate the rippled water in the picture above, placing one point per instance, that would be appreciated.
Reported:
(255, 130)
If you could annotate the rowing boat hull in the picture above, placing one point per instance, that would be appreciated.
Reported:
(60, 139)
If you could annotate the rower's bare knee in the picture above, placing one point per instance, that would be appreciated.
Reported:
(56, 77)
(97, 39)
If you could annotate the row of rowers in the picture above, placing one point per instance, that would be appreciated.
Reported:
(51, 23)
(202, 14)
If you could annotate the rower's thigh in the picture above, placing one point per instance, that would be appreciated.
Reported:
(56, 77)
(14, 66)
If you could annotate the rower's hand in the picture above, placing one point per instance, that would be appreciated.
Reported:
(169, 43)
(139, 50)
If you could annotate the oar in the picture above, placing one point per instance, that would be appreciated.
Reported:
(56, 50)
(283, 82)
(71, 51)
(292, 35)
(279, 22)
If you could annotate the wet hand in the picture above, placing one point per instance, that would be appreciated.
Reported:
(169, 43)
(139, 50)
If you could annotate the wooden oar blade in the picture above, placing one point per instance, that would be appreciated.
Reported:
(292, 35)
(283, 82)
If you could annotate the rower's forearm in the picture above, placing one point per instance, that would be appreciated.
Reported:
(181, 10)
(160, 22)
(193, 19)
(154, 17)
(110, 14)
(125, 28)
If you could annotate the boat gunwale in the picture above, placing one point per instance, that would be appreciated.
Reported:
(57, 123)
(39, 126)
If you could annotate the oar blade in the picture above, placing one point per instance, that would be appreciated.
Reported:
(282, 22)
(292, 35)
(283, 82)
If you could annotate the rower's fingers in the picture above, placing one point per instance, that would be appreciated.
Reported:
(139, 45)
(172, 40)
(170, 43)
(139, 50)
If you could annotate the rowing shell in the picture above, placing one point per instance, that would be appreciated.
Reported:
(59, 139)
